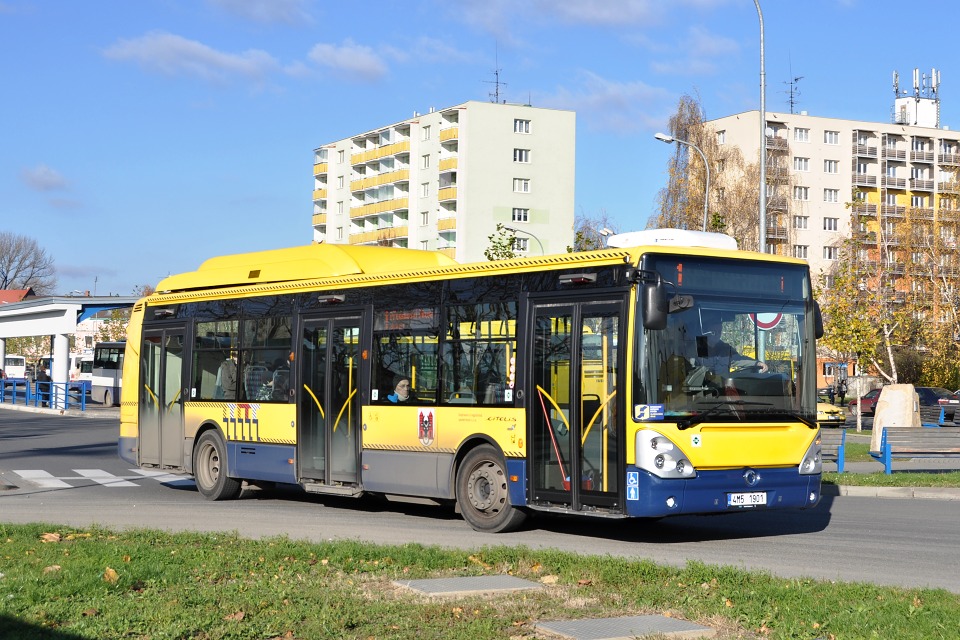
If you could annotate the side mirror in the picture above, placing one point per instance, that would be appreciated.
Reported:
(654, 305)
(817, 320)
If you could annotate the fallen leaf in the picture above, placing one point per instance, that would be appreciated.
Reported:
(549, 579)
(480, 562)
(52, 568)
(110, 575)
(584, 582)
(50, 537)
(235, 617)
(89, 613)
(728, 603)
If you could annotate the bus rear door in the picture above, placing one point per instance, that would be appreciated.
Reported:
(162, 394)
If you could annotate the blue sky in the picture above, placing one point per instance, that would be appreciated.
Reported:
(140, 138)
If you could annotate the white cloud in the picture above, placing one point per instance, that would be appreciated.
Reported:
(701, 51)
(269, 11)
(614, 106)
(603, 12)
(174, 55)
(43, 178)
(429, 50)
(353, 60)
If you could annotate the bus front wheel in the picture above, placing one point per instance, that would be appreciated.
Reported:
(482, 493)
(210, 469)
(108, 398)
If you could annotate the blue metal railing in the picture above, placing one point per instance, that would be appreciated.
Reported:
(60, 395)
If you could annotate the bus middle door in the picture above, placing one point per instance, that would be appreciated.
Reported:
(575, 433)
(162, 394)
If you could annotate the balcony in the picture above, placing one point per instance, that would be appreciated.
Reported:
(865, 237)
(921, 213)
(390, 177)
(379, 235)
(864, 180)
(320, 167)
(921, 156)
(319, 194)
(450, 133)
(893, 210)
(776, 143)
(446, 194)
(948, 187)
(319, 218)
(777, 203)
(448, 164)
(865, 209)
(777, 174)
(918, 184)
(380, 152)
(776, 232)
(397, 204)
(894, 154)
(948, 158)
(894, 183)
(447, 224)
(948, 215)
(864, 151)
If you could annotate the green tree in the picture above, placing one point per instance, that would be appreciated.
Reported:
(502, 244)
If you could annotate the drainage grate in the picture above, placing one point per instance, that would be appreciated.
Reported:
(628, 628)
(467, 586)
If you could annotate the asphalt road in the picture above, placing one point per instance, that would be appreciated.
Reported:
(903, 542)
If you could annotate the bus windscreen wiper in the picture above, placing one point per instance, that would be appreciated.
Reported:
(694, 420)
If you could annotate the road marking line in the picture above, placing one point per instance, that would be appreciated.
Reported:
(41, 478)
(106, 479)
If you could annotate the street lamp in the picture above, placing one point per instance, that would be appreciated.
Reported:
(515, 230)
(706, 189)
(604, 234)
(763, 140)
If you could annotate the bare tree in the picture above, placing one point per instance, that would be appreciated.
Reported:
(25, 265)
(589, 231)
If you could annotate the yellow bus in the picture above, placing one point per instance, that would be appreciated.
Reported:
(579, 383)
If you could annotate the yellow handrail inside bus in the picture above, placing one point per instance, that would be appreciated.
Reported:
(546, 395)
(153, 396)
(315, 400)
(346, 404)
(593, 419)
(174, 401)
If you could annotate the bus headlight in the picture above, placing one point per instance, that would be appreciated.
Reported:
(661, 457)
(812, 462)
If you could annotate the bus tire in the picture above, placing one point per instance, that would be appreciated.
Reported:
(108, 398)
(210, 469)
(482, 493)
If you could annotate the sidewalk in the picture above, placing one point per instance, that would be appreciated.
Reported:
(92, 410)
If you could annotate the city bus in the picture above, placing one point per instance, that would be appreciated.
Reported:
(15, 367)
(106, 376)
(567, 384)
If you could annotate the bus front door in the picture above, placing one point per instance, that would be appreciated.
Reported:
(328, 438)
(162, 395)
(575, 433)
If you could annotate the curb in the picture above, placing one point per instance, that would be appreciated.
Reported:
(927, 493)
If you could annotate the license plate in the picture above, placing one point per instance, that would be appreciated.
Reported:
(747, 499)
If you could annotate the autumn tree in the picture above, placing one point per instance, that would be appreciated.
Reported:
(732, 201)
(590, 231)
(25, 265)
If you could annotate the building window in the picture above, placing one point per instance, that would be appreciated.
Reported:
(339, 182)
(831, 195)
(340, 156)
(521, 185)
(801, 135)
(801, 164)
(340, 206)
(831, 253)
(799, 251)
(339, 233)
(800, 222)
(801, 193)
(520, 244)
(521, 155)
(831, 137)
(918, 201)
(721, 137)
(521, 126)
(830, 224)
(424, 189)
(425, 161)
(859, 196)
(423, 245)
(521, 214)
(831, 166)
(829, 281)
(425, 132)
(424, 218)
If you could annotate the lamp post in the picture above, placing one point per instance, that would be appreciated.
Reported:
(706, 189)
(515, 230)
(763, 140)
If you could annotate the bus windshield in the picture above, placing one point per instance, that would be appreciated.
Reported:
(739, 347)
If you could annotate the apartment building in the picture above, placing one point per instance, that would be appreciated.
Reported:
(444, 179)
(893, 173)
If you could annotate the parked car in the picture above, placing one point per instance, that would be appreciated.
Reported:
(829, 415)
(938, 397)
(867, 403)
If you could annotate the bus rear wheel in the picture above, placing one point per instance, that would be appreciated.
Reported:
(482, 493)
(108, 398)
(210, 469)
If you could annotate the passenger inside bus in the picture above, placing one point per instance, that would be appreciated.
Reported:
(402, 390)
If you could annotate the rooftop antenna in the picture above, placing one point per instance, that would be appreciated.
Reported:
(793, 92)
(495, 96)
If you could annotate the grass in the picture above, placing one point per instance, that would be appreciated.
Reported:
(67, 583)
(860, 452)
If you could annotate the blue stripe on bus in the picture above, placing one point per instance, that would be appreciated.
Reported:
(707, 493)
(127, 449)
(268, 462)
(518, 490)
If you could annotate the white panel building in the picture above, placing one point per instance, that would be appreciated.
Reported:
(443, 180)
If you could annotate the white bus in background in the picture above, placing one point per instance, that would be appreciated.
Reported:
(15, 366)
(107, 375)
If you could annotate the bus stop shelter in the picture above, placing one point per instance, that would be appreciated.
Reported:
(55, 316)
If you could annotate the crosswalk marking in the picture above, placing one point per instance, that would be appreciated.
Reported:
(46, 480)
